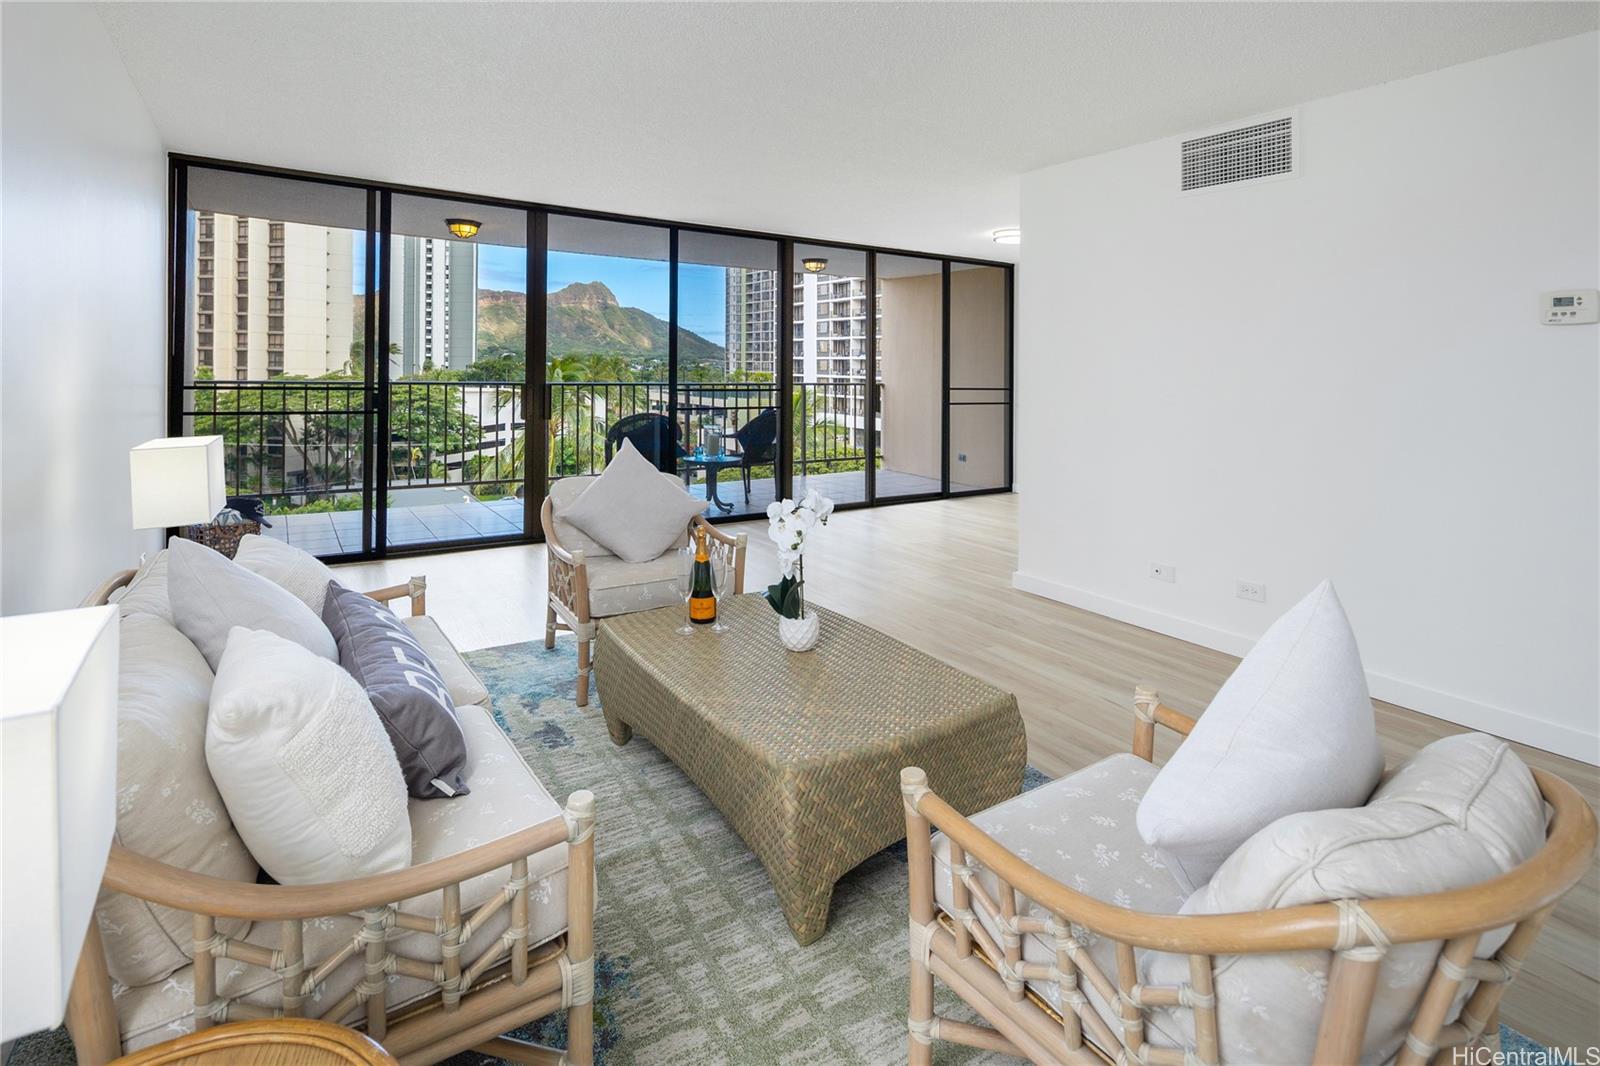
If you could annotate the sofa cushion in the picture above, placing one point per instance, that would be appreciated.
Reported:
(303, 762)
(459, 679)
(407, 689)
(1291, 730)
(168, 808)
(632, 510)
(1464, 809)
(293, 569)
(147, 592)
(1080, 830)
(211, 594)
(618, 587)
(508, 797)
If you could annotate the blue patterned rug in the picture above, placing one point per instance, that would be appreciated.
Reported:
(695, 965)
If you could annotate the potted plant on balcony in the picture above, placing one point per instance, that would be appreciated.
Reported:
(790, 524)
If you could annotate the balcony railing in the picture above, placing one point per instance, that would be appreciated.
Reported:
(302, 444)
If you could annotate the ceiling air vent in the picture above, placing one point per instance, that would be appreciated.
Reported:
(1246, 153)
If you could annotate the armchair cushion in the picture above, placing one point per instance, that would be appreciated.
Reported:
(618, 587)
(167, 805)
(211, 594)
(630, 509)
(288, 567)
(1463, 810)
(1080, 830)
(1291, 730)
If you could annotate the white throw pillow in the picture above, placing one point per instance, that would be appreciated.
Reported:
(168, 808)
(211, 594)
(1292, 730)
(146, 593)
(304, 764)
(288, 567)
(1463, 810)
(631, 509)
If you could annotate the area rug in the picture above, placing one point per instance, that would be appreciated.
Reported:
(695, 964)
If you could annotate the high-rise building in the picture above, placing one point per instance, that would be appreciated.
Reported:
(271, 298)
(830, 344)
(434, 316)
(274, 298)
(752, 323)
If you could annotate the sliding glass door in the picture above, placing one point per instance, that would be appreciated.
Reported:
(828, 398)
(270, 309)
(406, 370)
(726, 397)
(455, 331)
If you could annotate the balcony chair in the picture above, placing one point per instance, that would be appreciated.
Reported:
(1105, 959)
(758, 444)
(657, 437)
(588, 583)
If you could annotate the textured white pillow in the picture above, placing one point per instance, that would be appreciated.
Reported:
(288, 567)
(1463, 810)
(631, 509)
(304, 765)
(211, 594)
(147, 592)
(1292, 730)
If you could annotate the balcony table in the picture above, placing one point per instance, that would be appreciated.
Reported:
(713, 465)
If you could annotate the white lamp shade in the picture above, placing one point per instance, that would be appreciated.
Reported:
(177, 481)
(58, 735)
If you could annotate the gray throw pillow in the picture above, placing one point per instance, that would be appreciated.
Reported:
(632, 509)
(406, 689)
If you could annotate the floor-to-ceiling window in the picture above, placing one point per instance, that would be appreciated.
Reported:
(270, 308)
(387, 379)
(455, 329)
(910, 354)
(979, 453)
(728, 350)
(828, 292)
(608, 306)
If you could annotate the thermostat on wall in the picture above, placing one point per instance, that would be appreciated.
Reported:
(1569, 308)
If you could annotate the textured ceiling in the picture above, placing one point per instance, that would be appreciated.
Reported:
(905, 125)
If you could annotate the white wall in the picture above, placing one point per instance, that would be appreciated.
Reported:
(1339, 375)
(82, 368)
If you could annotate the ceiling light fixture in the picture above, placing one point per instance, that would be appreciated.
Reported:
(1008, 235)
(814, 265)
(465, 228)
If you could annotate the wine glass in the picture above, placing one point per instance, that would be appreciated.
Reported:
(685, 585)
(720, 568)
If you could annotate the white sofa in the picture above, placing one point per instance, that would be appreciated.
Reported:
(530, 946)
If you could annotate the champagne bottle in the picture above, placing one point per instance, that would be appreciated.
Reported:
(702, 591)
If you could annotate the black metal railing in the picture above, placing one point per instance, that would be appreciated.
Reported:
(302, 444)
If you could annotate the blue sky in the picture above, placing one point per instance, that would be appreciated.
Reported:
(640, 283)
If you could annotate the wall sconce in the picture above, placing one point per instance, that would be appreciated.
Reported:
(814, 265)
(465, 228)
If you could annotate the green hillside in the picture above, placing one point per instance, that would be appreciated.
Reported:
(585, 318)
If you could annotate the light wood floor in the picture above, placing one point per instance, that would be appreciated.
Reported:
(938, 576)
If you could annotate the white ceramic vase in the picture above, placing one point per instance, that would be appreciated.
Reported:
(799, 634)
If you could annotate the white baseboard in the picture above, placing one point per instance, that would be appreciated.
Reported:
(1502, 722)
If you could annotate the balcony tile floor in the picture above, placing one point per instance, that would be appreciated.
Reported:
(468, 518)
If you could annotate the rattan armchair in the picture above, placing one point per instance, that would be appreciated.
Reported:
(990, 974)
(474, 998)
(571, 586)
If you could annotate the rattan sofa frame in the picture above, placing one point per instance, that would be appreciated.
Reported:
(476, 1000)
(993, 978)
(568, 586)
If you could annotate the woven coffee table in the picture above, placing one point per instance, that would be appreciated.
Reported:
(802, 753)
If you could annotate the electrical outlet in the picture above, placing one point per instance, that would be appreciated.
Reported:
(961, 457)
(1163, 572)
(1254, 591)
